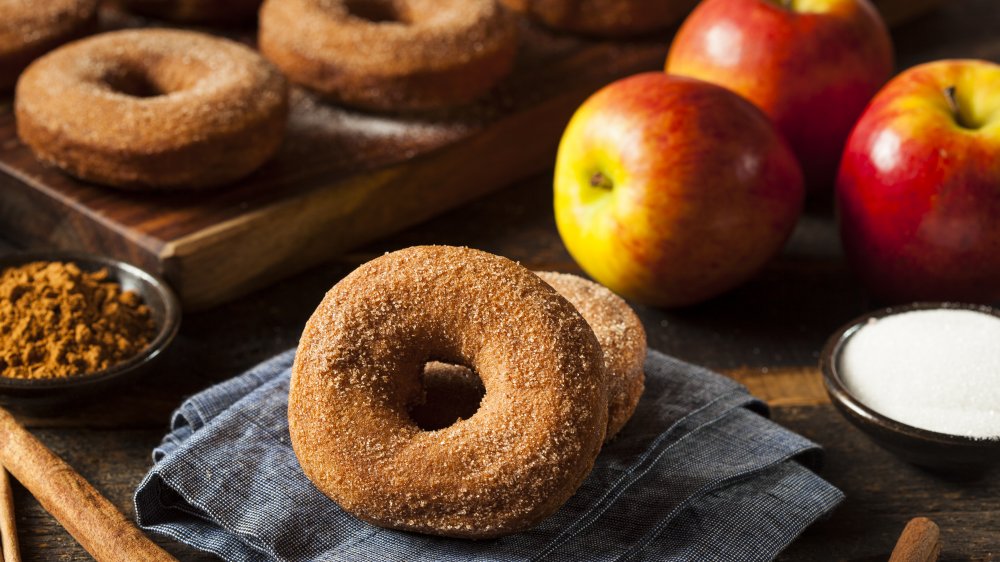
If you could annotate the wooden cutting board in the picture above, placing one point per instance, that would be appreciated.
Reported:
(341, 179)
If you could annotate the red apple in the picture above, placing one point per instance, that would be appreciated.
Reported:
(919, 186)
(811, 65)
(670, 190)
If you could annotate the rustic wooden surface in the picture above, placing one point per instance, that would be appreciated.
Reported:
(766, 334)
(340, 179)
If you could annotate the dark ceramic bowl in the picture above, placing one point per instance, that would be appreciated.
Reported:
(940, 451)
(164, 308)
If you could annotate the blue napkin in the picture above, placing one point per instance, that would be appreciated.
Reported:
(697, 474)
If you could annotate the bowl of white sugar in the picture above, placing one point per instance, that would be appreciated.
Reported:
(922, 380)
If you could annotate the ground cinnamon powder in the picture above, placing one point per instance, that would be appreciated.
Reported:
(59, 321)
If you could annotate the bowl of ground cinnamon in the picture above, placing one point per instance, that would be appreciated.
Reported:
(72, 323)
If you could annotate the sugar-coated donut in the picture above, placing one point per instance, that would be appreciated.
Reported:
(153, 108)
(605, 18)
(196, 11)
(30, 28)
(622, 339)
(518, 459)
(453, 392)
(391, 55)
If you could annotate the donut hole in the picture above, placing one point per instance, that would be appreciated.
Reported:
(151, 79)
(134, 84)
(377, 11)
(451, 393)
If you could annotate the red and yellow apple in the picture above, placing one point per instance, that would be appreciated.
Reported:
(919, 186)
(670, 190)
(811, 65)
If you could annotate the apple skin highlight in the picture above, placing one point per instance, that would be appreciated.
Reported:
(696, 190)
(811, 67)
(918, 191)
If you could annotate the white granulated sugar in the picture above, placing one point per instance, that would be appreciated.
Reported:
(933, 369)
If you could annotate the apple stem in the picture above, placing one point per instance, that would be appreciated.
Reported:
(951, 94)
(600, 180)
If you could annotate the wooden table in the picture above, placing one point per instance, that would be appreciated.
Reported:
(767, 334)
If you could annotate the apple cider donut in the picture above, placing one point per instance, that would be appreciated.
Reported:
(196, 11)
(152, 108)
(605, 18)
(622, 338)
(391, 55)
(29, 29)
(518, 459)
(453, 392)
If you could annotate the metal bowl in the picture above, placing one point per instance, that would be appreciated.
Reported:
(931, 449)
(155, 293)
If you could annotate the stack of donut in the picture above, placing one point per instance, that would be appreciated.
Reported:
(454, 392)
(558, 380)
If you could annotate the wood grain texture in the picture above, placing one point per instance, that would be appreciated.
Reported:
(123, 455)
(95, 522)
(883, 493)
(783, 386)
(342, 177)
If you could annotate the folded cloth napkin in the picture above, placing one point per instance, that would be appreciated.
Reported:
(697, 474)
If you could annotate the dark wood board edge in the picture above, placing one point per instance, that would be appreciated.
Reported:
(233, 258)
(208, 258)
(46, 221)
(207, 270)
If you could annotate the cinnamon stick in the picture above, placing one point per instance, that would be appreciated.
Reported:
(920, 542)
(8, 528)
(87, 515)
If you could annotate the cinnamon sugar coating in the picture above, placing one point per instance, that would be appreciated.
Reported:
(391, 55)
(622, 338)
(31, 28)
(196, 11)
(453, 391)
(153, 108)
(605, 18)
(518, 459)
